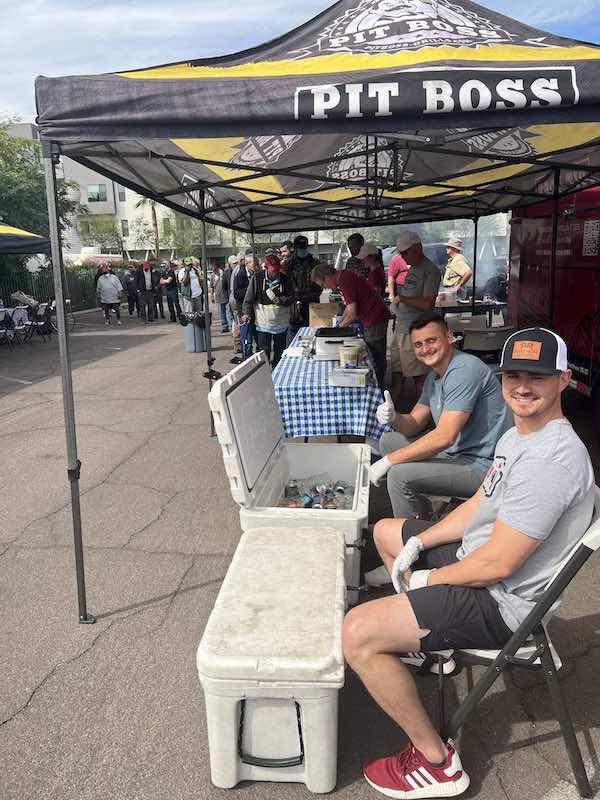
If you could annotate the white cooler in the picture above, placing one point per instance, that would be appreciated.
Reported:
(259, 461)
(271, 663)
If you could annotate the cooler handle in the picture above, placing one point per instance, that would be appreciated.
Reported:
(269, 763)
(364, 478)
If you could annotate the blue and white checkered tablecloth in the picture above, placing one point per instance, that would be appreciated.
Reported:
(311, 407)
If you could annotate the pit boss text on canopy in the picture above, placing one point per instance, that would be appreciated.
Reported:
(440, 92)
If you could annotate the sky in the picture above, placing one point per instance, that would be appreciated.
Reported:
(81, 37)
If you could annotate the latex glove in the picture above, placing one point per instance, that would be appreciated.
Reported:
(419, 579)
(379, 469)
(403, 561)
(386, 411)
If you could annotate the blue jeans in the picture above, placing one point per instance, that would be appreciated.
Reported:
(223, 312)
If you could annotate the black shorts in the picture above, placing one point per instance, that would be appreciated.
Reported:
(457, 617)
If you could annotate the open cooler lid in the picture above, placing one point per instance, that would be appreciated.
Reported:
(248, 424)
(285, 625)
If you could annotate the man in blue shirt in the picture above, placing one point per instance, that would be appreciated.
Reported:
(463, 399)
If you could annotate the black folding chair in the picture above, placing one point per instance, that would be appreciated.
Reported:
(530, 647)
(6, 333)
(41, 321)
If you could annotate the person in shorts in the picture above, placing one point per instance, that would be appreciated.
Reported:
(413, 297)
(470, 580)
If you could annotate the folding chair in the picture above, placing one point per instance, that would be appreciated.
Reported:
(21, 325)
(41, 321)
(529, 646)
(5, 330)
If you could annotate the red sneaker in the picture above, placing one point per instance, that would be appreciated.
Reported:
(411, 775)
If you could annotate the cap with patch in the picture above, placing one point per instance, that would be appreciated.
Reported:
(367, 249)
(232, 260)
(534, 350)
(406, 239)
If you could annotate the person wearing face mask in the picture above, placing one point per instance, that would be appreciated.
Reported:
(300, 267)
(147, 284)
(267, 304)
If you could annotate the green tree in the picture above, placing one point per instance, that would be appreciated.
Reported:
(23, 192)
(100, 229)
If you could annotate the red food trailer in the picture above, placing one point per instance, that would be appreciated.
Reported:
(564, 296)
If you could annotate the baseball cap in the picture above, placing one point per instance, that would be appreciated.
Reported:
(455, 242)
(367, 249)
(406, 239)
(250, 252)
(534, 350)
(232, 260)
(188, 261)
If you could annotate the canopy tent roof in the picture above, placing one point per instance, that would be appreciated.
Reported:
(14, 241)
(374, 112)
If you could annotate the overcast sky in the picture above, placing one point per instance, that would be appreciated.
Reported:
(79, 37)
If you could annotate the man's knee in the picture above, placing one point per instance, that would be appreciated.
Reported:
(387, 536)
(355, 636)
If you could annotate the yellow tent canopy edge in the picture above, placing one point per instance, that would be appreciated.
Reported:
(346, 62)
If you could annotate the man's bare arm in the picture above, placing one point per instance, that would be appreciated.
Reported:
(412, 424)
(443, 436)
(500, 557)
(424, 303)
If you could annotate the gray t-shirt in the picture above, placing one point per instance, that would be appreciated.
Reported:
(541, 484)
(421, 279)
(469, 385)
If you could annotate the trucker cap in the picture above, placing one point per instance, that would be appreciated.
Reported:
(367, 249)
(534, 350)
(406, 239)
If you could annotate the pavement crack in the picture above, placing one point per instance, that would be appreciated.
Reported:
(163, 508)
(62, 664)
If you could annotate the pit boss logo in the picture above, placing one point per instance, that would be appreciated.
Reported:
(261, 151)
(384, 26)
(440, 92)
(512, 142)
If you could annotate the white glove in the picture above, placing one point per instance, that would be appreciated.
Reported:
(386, 412)
(407, 556)
(378, 470)
(419, 579)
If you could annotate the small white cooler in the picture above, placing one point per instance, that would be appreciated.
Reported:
(271, 663)
(259, 461)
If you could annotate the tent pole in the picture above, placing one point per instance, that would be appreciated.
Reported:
(252, 233)
(51, 154)
(555, 209)
(210, 373)
(476, 222)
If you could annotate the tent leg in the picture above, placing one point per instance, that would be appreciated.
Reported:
(210, 373)
(73, 463)
(476, 223)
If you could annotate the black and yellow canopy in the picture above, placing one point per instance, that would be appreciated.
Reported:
(14, 241)
(375, 111)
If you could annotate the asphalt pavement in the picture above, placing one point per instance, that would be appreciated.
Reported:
(115, 710)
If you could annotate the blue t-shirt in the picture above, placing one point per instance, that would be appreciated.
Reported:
(469, 385)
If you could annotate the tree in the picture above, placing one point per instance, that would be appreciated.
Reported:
(23, 191)
(147, 202)
(141, 232)
(100, 229)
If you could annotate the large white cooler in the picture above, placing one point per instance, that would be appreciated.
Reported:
(259, 461)
(271, 663)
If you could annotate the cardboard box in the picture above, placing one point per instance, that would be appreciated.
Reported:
(320, 315)
(349, 378)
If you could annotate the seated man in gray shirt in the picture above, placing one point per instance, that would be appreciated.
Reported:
(463, 398)
(478, 572)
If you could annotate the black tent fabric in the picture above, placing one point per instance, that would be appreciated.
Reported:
(375, 111)
(14, 241)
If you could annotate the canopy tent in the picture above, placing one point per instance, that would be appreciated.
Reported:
(375, 111)
(14, 241)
